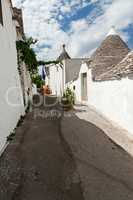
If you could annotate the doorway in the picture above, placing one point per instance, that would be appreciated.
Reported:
(84, 87)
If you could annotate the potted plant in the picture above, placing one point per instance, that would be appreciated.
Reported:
(68, 99)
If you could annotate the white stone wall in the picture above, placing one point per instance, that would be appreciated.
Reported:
(56, 79)
(77, 84)
(9, 77)
(27, 84)
(114, 99)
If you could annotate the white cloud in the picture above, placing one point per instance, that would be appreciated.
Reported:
(65, 9)
(118, 13)
(42, 21)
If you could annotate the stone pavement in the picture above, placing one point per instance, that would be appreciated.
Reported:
(119, 135)
(58, 156)
(106, 170)
(48, 168)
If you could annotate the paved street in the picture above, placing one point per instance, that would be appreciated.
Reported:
(106, 170)
(66, 158)
(48, 167)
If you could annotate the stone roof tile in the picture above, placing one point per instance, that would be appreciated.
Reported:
(122, 69)
(112, 50)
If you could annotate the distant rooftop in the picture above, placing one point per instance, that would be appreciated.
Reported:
(112, 31)
(123, 69)
(111, 51)
(64, 55)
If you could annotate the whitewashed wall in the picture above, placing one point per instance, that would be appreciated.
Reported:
(77, 84)
(9, 77)
(56, 79)
(114, 99)
(27, 84)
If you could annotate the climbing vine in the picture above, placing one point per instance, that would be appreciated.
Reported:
(26, 54)
(36, 79)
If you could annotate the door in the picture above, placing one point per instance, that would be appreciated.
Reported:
(84, 86)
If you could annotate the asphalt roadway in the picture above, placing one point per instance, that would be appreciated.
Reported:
(66, 158)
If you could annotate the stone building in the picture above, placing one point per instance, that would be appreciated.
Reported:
(112, 50)
(15, 82)
(60, 75)
(11, 101)
(105, 81)
(112, 95)
(26, 83)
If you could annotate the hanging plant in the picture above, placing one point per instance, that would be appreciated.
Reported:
(26, 54)
(36, 79)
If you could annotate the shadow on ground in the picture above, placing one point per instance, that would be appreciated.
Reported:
(105, 169)
(45, 163)
(62, 157)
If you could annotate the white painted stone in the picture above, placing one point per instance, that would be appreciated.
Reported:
(9, 77)
(114, 100)
(58, 78)
(55, 80)
(77, 83)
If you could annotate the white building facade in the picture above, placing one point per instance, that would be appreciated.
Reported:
(26, 83)
(11, 101)
(106, 82)
(56, 79)
(64, 74)
(113, 99)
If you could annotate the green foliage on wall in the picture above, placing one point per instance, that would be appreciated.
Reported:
(37, 80)
(27, 54)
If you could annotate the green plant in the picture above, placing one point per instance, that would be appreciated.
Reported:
(69, 96)
(36, 79)
(26, 54)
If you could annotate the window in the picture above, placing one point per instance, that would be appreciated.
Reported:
(1, 17)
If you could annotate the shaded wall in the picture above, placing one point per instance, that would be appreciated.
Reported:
(77, 84)
(9, 77)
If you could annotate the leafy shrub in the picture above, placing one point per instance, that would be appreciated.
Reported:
(37, 80)
(27, 54)
(69, 96)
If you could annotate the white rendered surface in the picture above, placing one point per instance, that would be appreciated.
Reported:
(9, 76)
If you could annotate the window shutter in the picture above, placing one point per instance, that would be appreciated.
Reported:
(1, 16)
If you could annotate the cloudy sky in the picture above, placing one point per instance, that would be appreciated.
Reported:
(80, 24)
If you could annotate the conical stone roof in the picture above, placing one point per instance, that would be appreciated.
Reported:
(64, 55)
(112, 50)
(122, 69)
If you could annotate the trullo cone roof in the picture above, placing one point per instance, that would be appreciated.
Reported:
(112, 50)
(123, 69)
(64, 55)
